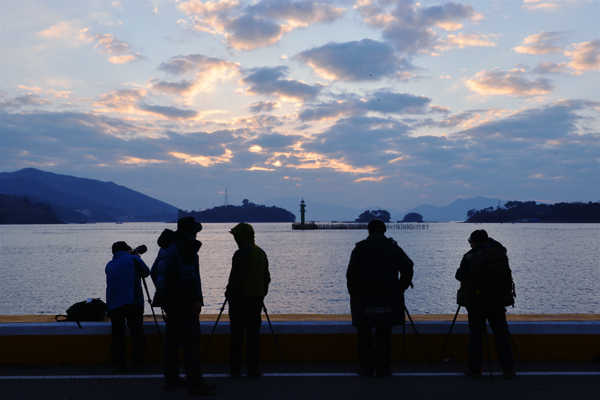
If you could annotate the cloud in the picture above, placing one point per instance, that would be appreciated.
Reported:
(541, 5)
(203, 160)
(463, 40)
(267, 81)
(257, 25)
(383, 102)
(276, 141)
(183, 88)
(553, 121)
(511, 83)
(547, 67)
(26, 100)
(168, 112)
(120, 51)
(122, 101)
(409, 25)
(542, 43)
(60, 30)
(264, 106)
(585, 56)
(364, 60)
(200, 65)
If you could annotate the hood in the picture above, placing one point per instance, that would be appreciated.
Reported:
(243, 234)
(376, 242)
(166, 239)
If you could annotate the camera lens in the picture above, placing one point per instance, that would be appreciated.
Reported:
(141, 249)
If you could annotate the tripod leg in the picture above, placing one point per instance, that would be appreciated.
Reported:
(418, 337)
(487, 344)
(275, 338)
(515, 347)
(404, 341)
(153, 314)
(448, 336)
(213, 330)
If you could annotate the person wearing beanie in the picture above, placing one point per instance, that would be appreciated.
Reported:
(176, 276)
(125, 303)
(377, 296)
(247, 287)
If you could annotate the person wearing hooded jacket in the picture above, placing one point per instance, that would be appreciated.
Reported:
(247, 287)
(377, 296)
(478, 311)
(176, 275)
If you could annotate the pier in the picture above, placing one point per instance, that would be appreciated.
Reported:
(355, 225)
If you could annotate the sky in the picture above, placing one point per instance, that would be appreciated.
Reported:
(366, 103)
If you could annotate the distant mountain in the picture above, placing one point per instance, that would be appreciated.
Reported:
(95, 200)
(455, 211)
(316, 211)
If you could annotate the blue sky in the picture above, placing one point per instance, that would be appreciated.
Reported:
(361, 103)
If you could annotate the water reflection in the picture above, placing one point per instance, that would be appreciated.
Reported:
(46, 268)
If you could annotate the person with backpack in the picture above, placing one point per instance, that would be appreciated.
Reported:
(125, 301)
(486, 289)
(176, 276)
(246, 289)
(377, 297)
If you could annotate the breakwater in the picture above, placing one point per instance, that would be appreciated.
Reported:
(355, 225)
(306, 337)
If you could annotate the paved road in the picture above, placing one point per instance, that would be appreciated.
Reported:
(541, 380)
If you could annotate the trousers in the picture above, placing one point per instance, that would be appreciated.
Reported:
(133, 315)
(244, 316)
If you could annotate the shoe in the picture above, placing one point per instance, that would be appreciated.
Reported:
(384, 374)
(174, 383)
(254, 374)
(509, 375)
(362, 372)
(471, 374)
(235, 373)
(201, 387)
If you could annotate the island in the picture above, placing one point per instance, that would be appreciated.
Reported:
(530, 211)
(247, 212)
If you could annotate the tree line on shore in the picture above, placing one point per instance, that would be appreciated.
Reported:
(20, 210)
(515, 211)
(247, 212)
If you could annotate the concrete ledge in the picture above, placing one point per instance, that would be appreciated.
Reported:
(309, 338)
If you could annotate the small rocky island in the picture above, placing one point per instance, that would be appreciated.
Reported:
(247, 212)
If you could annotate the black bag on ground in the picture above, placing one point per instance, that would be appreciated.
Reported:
(492, 277)
(89, 310)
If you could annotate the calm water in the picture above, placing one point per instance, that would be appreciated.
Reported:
(46, 268)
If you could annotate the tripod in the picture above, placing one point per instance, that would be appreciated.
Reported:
(417, 333)
(270, 325)
(486, 340)
(153, 314)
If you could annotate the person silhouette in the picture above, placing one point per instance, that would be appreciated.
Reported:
(377, 296)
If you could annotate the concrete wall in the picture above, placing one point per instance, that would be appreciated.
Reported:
(65, 342)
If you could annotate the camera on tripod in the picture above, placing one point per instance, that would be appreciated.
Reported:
(140, 249)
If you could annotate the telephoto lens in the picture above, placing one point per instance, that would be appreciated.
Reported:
(141, 249)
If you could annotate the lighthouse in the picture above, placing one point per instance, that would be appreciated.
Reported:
(302, 211)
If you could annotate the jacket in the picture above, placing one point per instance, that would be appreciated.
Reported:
(176, 271)
(123, 284)
(467, 295)
(249, 274)
(376, 292)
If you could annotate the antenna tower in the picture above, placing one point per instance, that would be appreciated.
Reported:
(226, 199)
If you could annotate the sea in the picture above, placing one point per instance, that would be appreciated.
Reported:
(46, 268)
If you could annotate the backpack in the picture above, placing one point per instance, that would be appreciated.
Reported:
(491, 277)
(89, 310)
